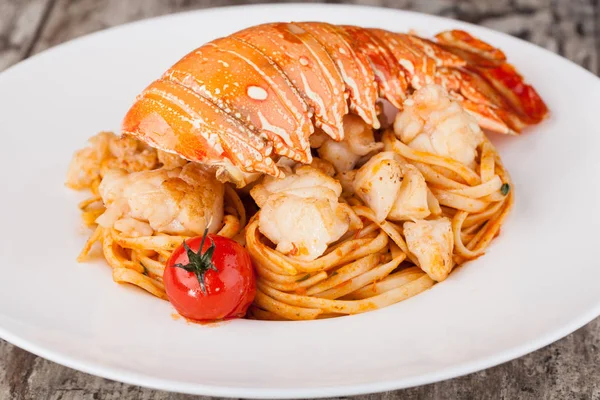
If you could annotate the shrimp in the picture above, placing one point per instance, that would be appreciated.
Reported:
(179, 201)
(431, 241)
(323, 165)
(84, 168)
(358, 142)
(170, 161)
(301, 213)
(433, 122)
(392, 188)
(106, 151)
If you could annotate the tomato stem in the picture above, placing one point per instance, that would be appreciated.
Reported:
(200, 263)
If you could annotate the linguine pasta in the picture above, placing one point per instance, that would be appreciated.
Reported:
(372, 265)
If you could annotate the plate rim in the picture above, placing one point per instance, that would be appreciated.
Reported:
(129, 377)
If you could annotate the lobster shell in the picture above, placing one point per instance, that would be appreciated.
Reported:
(245, 100)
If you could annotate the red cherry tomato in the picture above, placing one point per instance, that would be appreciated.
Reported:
(214, 283)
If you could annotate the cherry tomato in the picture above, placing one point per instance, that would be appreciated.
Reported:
(210, 278)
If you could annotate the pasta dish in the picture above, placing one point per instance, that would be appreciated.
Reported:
(296, 171)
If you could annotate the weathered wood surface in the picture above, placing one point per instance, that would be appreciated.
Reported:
(567, 369)
(19, 22)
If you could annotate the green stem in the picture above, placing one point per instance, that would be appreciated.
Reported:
(200, 263)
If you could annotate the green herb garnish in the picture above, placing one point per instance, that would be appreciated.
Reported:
(505, 188)
(305, 277)
(145, 270)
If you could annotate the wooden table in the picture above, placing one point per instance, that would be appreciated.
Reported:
(567, 369)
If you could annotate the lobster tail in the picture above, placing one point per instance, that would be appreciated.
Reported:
(516, 103)
(354, 67)
(247, 85)
(247, 99)
(390, 77)
(174, 118)
(309, 68)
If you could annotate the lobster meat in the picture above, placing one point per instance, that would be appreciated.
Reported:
(242, 101)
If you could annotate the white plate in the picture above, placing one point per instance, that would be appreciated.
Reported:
(538, 282)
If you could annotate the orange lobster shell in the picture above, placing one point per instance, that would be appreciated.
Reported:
(258, 94)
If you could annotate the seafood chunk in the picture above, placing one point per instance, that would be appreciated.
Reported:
(107, 151)
(358, 142)
(432, 243)
(301, 213)
(393, 189)
(378, 183)
(180, 201)
(434, 123)
(323, 165)
(411, 201)
(170, 161)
